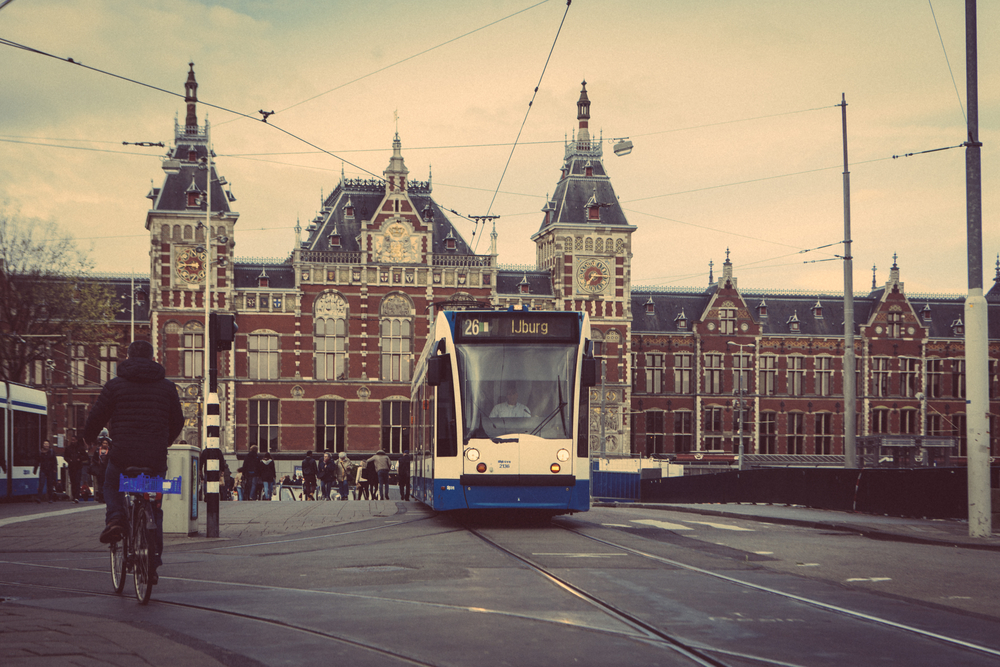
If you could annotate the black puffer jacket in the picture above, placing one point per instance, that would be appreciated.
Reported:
(142, 412)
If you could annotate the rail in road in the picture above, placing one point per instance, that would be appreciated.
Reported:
(405, 586)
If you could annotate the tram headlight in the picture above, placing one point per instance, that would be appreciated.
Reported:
(563, 455)
(555, 467)
(472, 454)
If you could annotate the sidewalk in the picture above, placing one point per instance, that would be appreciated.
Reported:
(943, 532)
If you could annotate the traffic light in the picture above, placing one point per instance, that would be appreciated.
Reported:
(225, 328)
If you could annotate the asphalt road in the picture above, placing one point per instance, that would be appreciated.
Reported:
(385, 583)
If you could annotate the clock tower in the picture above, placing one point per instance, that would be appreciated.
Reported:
(585, 242)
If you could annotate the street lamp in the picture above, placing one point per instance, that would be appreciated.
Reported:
(739, 401)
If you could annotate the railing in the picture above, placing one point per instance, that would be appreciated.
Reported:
(330, 257)
(462, 260)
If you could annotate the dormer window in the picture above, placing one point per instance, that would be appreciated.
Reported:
(762, 309)
(588, 170)
(349, 209)
(263, 280)
(925, 314)
(818, 310)
(793, 322)
(958, 327)
(428, 213)
(449, 242)
(192, 155)
(334, 240)
(650, 308)
(523, 286)
(681, 321)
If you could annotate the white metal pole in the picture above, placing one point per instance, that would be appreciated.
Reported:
(976, 329)
(208, 286)
(850, 363)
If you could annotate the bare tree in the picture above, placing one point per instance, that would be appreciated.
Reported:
(46, 298)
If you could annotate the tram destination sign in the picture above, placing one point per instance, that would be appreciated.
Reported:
(534, 326)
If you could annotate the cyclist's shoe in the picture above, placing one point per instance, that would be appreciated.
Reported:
(112, 533)
(154, 578)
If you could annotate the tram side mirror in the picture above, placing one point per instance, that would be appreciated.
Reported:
(588, 373)
(438, 369)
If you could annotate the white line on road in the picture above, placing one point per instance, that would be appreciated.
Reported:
(578, 555)
(662, 524)
(720, 526)
(46, 515)
(870, 579)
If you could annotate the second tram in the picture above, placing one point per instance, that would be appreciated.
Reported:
(23, 419)
(499, 419)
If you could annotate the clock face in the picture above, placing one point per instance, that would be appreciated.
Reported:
(592, 275)
(191, 265)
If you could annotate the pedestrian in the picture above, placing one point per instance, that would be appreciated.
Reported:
(99, 463)
(382, 466)
(309, 471)
(343, 475)
(327, 475)
(251, 473)
(75, 453)
(403, 474)
(45, 467)
(267, 476)
(238, 484)
(143, 413)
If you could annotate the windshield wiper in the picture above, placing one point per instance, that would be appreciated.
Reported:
(558, 408)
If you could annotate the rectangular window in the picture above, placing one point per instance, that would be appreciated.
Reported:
(824, 433)
(741, 373)
(908, 422)
(880, 421)
(655, 432)
(330, 426)
(768, 374)
(796, 376)
(895, 327)
(396, 333)
(654, 373)
(330, 342)
(262, 424)
(683, 431)
(958, 378)
(880, 376)
(683, 364)
(263, 356)
(796, 433)
(936, 426)
(78, 365)
(395, 426)
(768, 433)
(823, 376)
(909, 377)
(727, 321)
(713, 373)
(108, 362)
(712, 428)
(959, 432)
(193, 354)
(935, 378)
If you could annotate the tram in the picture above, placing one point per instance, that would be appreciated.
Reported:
(499, 414)
(23, 420)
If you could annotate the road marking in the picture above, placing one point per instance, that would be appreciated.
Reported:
(578, 555)
(764, 553)
(720, 526)
(808, 564)
(662, 524)
(46, 515)
(616, 525)
(870, 579)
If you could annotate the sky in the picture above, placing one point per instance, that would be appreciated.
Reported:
(732, 106)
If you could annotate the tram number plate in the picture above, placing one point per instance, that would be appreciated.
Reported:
(503, 464)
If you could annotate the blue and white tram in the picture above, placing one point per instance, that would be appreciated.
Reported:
(499, 419)
(23, 420)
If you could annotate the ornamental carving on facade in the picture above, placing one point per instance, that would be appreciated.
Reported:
(330, 304)
(397, 245)
(395, 305)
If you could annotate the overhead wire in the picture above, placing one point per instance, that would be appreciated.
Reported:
(947, 61)
(534, 94)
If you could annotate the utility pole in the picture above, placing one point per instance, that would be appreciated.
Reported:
(976, 334)
(850, 375)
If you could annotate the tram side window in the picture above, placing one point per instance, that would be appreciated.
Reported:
(447, 443)
(27, 434)
(583, 425)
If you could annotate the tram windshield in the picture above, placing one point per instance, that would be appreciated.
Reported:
(519, 388)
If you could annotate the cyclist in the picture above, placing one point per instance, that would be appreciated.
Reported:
(143, 414)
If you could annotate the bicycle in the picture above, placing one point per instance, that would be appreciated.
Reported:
(134, 553)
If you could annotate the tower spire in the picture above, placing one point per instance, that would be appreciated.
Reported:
(583, 115)
(191, 97)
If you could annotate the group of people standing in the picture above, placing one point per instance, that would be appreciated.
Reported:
(255, 479)
(371, 478)
(85, 470)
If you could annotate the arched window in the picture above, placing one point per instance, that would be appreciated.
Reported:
(330, 330)
(396, 338)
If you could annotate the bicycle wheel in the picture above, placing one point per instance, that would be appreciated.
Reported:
(118, 550)
(142, 546)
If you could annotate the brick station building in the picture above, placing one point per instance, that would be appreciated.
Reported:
(329, 334)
